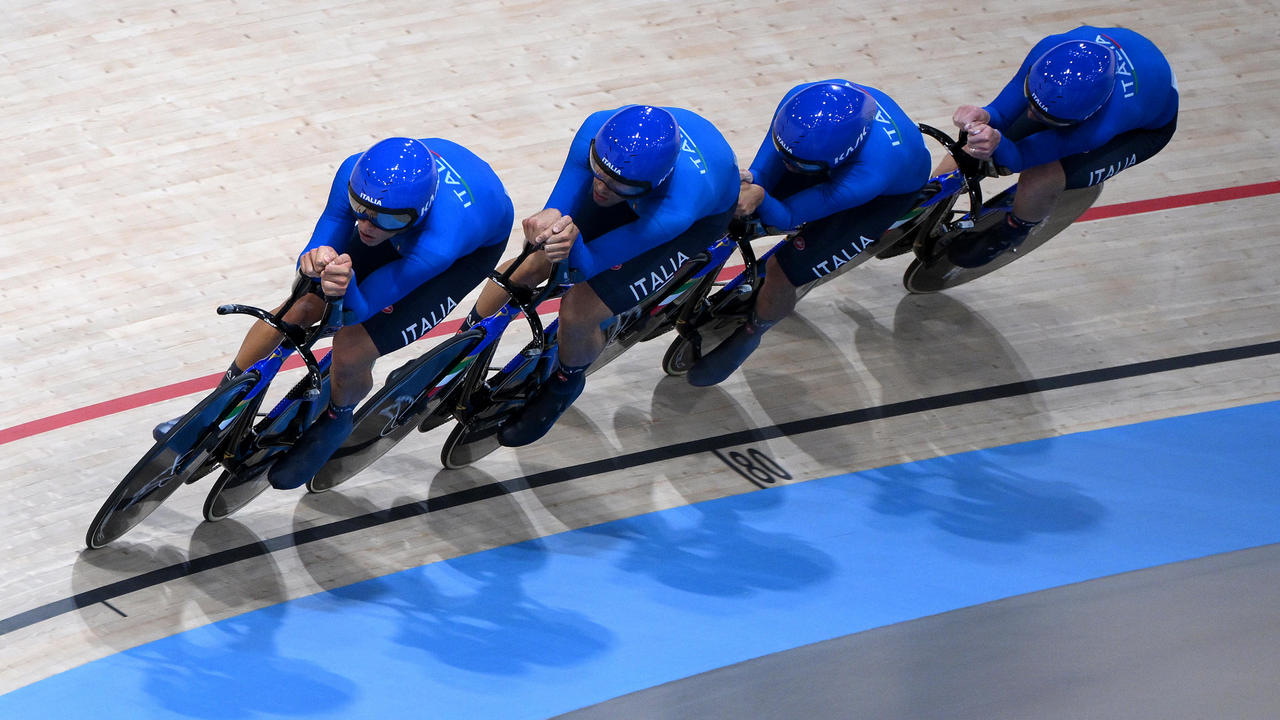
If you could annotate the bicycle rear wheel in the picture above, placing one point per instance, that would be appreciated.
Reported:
(469, 443)
(725, 311)
(245, 478)
(489, 407)
(924, 276)
(189, 448)
(420, 389)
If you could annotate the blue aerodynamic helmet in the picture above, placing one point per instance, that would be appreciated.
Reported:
(394, 183)
(636, 149)
(822, 126)
(1071, 81)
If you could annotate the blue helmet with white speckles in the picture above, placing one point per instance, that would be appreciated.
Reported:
(636, 149)
(1071, 82)
(822, 126)
(394, 183)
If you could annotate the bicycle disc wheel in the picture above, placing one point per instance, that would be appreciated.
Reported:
(443, 412)
(503, 397)
(391, 414)
(679, 357)
(188, 448)
(940, 274)
(469, 443)
(245, 477)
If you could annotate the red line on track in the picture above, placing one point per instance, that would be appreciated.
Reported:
(187, 387)
(1177, 201)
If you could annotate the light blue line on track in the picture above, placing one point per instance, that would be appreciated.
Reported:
(546, 626)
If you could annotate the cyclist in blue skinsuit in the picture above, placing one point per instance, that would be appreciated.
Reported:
(840, 164)
(1085, 105)
(644, 188)
(410, 227)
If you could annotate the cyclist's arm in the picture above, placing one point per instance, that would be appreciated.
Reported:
(766, 168)
(1011, 101)
(335, 226)
(628, 241)
(576, 173)
(391, 282)
(1047, 146)
(860, 185)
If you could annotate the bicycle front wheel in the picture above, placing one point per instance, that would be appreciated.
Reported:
(419, 390)
(189, 448)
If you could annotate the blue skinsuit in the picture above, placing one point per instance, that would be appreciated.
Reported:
(1145, 97)
(703, 183)
(892, 161)
(471, 210)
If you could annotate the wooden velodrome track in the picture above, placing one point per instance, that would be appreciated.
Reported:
(164, 158)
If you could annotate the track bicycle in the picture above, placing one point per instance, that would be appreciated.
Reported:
(926, 230)
(423, 392)
(484, 404)
(223, 429)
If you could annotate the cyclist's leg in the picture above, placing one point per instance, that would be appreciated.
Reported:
(1041, 187)
(817, 250)
(580, 342)
(532, 271)
(262, 339)
(258, 343)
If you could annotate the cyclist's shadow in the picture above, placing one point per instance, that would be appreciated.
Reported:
(483, 620)
(786, 394)
(210, 671)
(715, 545)
(984, 496)
(938, 346)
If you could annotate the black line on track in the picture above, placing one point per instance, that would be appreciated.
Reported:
(113, 607)
(623, 462)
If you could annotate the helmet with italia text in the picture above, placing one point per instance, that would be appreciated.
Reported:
(1070, 82)
(394, 183)
(636, 149)
(822, 126)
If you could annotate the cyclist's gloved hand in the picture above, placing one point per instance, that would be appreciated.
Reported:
(982, 140)
(967, 115)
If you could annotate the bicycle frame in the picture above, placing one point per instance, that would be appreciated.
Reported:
(219, 429)
(483, 411)
(300, 341)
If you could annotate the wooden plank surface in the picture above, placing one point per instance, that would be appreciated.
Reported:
(167, 158)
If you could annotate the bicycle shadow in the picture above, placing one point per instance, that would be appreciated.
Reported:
(480, 618)
(938, 346)
(219, 588)
(127, 562)
(704, 548)
(982, 496)
(787, 396)
(469, 611)
(240, 674)
(231, 667)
